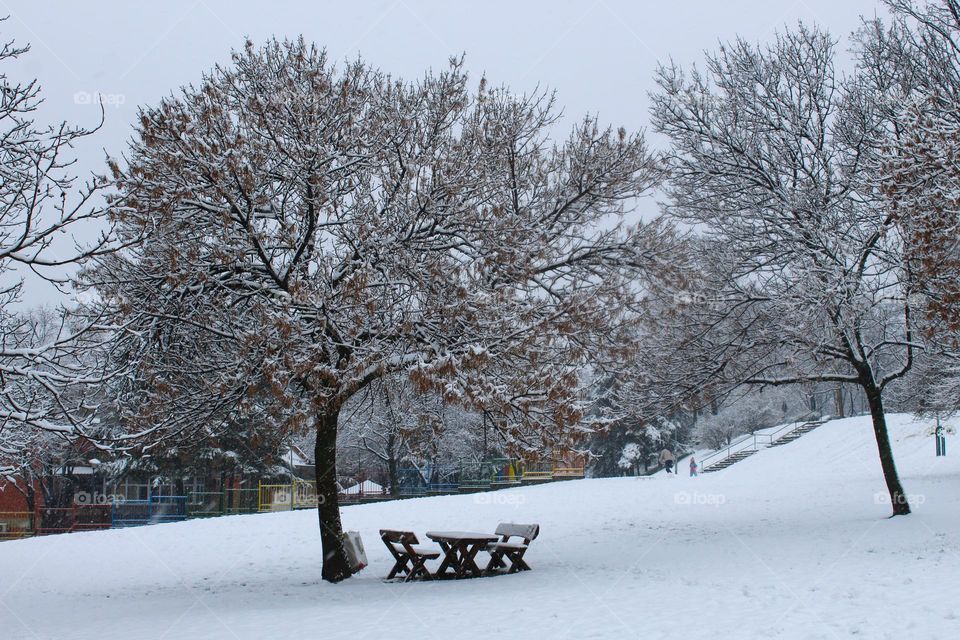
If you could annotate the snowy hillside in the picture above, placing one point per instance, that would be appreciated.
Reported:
(791, 543)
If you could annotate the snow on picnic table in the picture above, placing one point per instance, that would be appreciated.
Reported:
(791, 543)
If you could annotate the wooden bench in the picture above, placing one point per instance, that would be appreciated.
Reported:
(512, 550)
(406, 549)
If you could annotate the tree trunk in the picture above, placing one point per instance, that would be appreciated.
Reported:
(30, 496)
(898, 499)
(838, 400)
(335, 565)
(394, 474)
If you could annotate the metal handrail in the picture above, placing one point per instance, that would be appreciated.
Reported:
(754, 441)
(751, 439)
(788, 428)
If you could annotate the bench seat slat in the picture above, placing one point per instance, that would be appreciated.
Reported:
(420, 550)
(507, 545)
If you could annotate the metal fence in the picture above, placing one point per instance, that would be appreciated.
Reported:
(299, 494)
(51, 520)
(157, 509)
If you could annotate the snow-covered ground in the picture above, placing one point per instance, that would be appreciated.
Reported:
(791, 543)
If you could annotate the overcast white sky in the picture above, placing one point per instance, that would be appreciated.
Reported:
(599, 56)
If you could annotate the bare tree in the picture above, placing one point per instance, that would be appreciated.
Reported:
(775, 160)
(391, 423)
(309, 229)
(40, 207)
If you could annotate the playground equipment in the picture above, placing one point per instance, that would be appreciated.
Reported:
(540, 472)
(15, 524)
(301, 494)
(229, 501)
(476, 476)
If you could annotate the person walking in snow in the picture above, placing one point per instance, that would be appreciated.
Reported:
(693, 467)
(667, 460)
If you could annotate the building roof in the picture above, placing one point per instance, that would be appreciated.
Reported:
(367, 486)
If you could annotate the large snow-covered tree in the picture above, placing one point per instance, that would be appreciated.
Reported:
(306, 229)
(775, 160)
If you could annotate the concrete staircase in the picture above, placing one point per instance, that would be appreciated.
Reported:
(733, 459)
(806, 427)
(748, 446)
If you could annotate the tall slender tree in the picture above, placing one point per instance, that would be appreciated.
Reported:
(775, 159)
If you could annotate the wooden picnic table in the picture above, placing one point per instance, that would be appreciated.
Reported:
(460, 549)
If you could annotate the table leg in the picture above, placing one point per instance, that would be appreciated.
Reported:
(448, 561)
(461, 557)
(468, 561)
